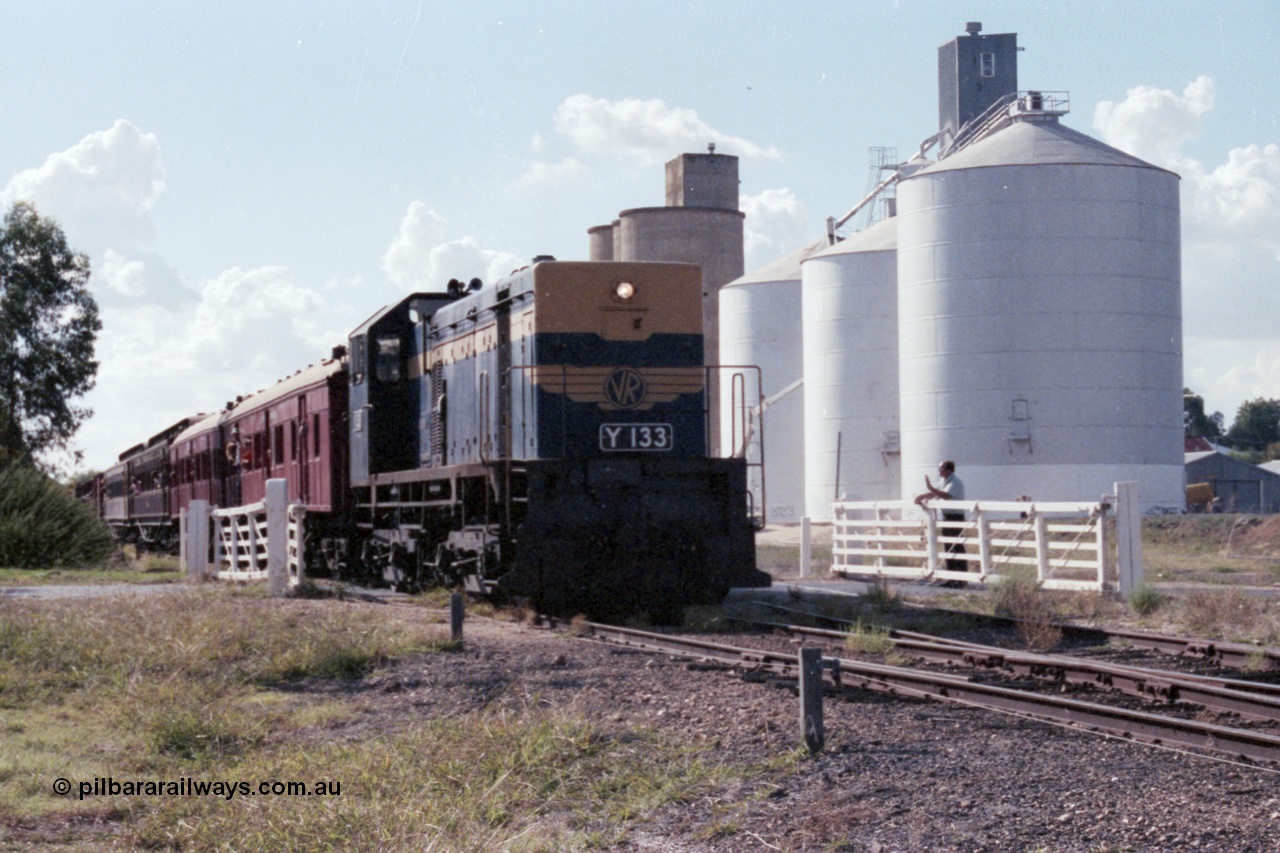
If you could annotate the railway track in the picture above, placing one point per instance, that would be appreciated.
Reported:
(1256, 700)
(1249, 744)
(1234, 655)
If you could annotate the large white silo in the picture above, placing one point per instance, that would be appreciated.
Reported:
(760, 325)
(850, 299)
(1040, 321)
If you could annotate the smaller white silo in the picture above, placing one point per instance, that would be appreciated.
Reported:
(760, 324)
(850, 333)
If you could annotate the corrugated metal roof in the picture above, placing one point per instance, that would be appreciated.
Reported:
(880, 237)
(1034, 142)
(786, 268)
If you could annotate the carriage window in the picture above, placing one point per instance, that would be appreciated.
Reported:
(315, 434)
(278, 445)
(357, 359)
(387, 365)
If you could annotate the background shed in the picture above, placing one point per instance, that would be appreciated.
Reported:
(1241, 486)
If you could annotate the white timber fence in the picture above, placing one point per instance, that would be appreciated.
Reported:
(262, 541)
(1070, 546)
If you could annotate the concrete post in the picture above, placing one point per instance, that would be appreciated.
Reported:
(811, 699)
(277, 537)
(806, 550)
(195, 540)
(456, 615)
(1128, 537)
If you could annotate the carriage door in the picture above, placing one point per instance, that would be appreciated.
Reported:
(301, 452)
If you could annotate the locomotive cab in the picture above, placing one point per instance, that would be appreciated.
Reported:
(385, 369)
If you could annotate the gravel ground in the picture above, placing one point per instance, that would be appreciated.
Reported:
(897, 774)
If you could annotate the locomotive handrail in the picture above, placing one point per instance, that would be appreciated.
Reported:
(752, 426)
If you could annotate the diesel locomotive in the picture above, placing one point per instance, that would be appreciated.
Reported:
(546, 437)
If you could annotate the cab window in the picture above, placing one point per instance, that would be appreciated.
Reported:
(387, 360)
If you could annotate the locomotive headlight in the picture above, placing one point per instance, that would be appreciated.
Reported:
(624, 290)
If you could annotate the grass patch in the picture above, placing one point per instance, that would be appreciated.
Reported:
(1018, 596)
(881, 597)
(868, 639)
(216, 685)
(784, 560)
(519, 779)
(1228, 613)
(86, 577)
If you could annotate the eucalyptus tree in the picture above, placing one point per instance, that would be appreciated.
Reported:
(48, 328)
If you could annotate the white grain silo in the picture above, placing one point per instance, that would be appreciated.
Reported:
(1040, 322)
(760, 325)
(850, 297)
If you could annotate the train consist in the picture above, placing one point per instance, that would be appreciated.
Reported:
(546, 437)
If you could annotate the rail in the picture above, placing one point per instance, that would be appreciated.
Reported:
(1067, 544)
(847, 674)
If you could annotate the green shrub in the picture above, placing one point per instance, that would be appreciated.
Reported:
(1145, 600)
(43, 525)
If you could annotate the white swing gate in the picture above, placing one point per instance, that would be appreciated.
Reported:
(1068, 544)
(262, 541)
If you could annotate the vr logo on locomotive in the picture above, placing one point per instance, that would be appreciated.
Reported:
(625, 388)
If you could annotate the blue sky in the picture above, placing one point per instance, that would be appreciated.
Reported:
(251, 180)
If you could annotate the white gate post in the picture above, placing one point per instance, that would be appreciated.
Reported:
(219, 546)
(195, 539)
(298, 555)
(1128, 537)
(277, 537)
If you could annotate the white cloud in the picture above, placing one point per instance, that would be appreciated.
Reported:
(646, 129)
(540, 173)
(776, 223)
(259, 315)
(410, 251)
(101, 189)
(419, 258)
(1154, 123)
(1228, 372)
(1230, 241)
(1239, 197)
(123, 275)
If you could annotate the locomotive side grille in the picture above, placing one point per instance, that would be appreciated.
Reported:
(437, 422)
